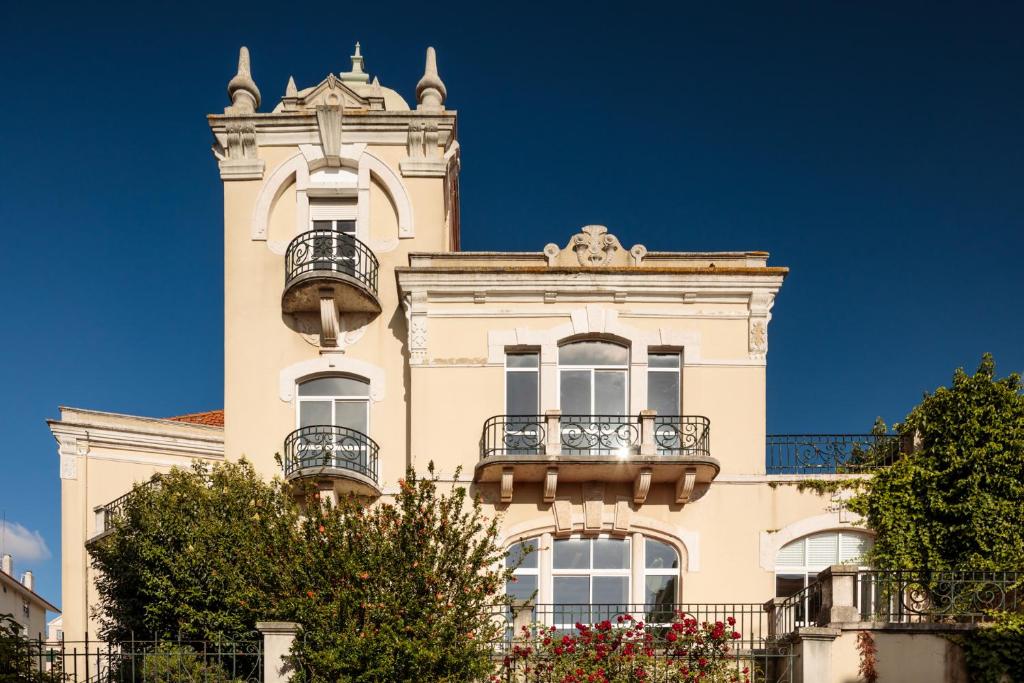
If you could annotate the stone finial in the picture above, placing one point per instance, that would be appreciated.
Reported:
(357, 74)
(430, 91)
(245, 96)
(290, 90)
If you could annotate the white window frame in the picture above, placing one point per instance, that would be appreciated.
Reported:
(536, 370)
(810, 571)
(299, 399)
(678, 371)
(593, 369)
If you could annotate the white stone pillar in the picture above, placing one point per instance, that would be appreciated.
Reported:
(838, 589)
(277, 649)
(813, 654)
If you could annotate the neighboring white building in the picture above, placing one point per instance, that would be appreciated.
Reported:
(19, 599)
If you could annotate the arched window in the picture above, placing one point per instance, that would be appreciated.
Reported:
(336, 401)
(798, 562)
(593, 578)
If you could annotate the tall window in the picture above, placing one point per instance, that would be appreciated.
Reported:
(591, 578)
(336, 401)
(335, 222)
(663, 396)
(522, 383)
(592, 378)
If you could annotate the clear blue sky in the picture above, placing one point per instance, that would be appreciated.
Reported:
(875, 149)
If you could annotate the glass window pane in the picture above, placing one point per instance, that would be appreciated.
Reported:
(572, 553)
(663, 360)
(593, 353)
(527, 552)
(610, 392)
(571, 590)
(321, 225)
(335, 386)
(660, 555)
(611, 553)
(523, 587)
(575, 392)
(612, 590)
(521, 393)
(348, 227)
(351, 414)
(660, 590)
(788, 584)
(314, 413)
(523, 360)
(663, 392)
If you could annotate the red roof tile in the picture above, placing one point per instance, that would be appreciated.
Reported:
(212, 418)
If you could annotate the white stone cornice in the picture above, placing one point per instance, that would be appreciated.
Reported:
(82, 439)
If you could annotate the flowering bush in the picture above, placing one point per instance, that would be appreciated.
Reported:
(627, 650)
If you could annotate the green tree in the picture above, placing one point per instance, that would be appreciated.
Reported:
(958, 499)
(203, 556)
(22, 660)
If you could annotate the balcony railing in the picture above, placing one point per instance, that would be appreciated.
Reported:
(326, 252)
(107, 514)
(320, 447)
(829, 453)
(600, 435)
(958, 596)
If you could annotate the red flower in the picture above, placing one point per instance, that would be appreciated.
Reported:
(671, 637)
(731, 621)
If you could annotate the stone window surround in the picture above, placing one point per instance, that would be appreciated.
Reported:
(596, 322)
(772, 541)
(685, 543)
(330, 364)
(296, 171)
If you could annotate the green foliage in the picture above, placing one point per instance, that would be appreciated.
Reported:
(995, 651)
(958, 499)
(403, 591)
(393, 591)
(173, 663)
(203, 556)
(20, 658)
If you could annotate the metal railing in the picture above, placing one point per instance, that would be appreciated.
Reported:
(107, 514)
(955, 596)
(134, 660)
(803, 608)
(829, 453)
(602, 435)
(332, 447)
(333, 251)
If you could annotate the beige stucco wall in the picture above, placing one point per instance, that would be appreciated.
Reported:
(13, 597)
(901, 658)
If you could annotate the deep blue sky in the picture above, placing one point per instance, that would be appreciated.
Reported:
(875, 149)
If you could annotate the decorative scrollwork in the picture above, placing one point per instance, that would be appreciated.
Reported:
(333, 251)
(829, 453)
(514, 435)
(939, 596)
(600, 434)
(330, 446)
(682, 435)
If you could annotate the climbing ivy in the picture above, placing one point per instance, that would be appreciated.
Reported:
(958, 499)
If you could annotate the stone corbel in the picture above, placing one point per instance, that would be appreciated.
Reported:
(593, 506)
(329, 324)
(424, 158)
(684, 486)
(507, 476)
(328, 119)
(642, 486)
(623, 516)
(70, 449)
(240, 161)
(550, 484)
(416, 316)
(757, 326)
(562, 510)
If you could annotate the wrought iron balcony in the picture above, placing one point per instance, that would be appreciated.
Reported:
(646, 449)
(830, 453)
(326, 453)
(329, 264)
(106, 515)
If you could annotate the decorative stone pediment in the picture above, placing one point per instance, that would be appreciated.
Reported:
(594, 247)
(331, 92)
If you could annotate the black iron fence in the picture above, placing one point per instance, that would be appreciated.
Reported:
(132, 661)
(329, 446)
(955, 596)
(803, 608)
(603, 435)
(829, 453)
(331, 251)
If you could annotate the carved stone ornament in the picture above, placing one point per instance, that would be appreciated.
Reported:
(239, 161)
(593, 247)
(351, 328)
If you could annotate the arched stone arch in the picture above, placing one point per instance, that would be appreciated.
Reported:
(773, 541)
(296, 169)
(331, 363)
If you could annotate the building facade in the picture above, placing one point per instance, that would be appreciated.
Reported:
(607, 401)
(19, 600)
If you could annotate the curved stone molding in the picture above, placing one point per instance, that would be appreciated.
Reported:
(686, 543)
(772, 541)
(329, 363)
(296, 169)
